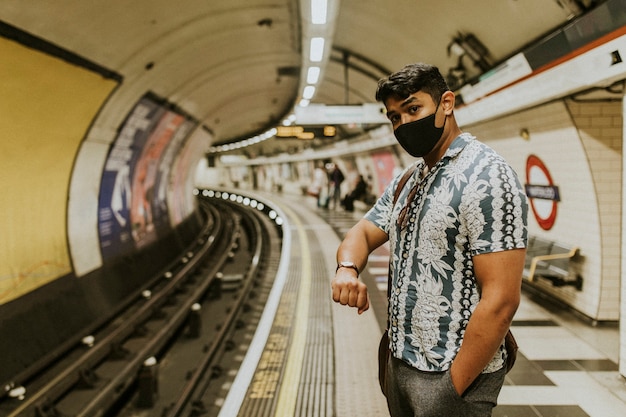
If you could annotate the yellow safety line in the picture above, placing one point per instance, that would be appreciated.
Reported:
(288, 394)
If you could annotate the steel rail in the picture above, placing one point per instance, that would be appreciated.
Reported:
(191, 387)
(70, 376)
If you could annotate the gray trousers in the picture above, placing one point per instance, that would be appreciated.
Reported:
(414, 393)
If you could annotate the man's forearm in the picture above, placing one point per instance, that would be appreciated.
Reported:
(359, 242)
(483, 336)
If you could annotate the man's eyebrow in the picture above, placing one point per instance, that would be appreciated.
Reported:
(408, 101)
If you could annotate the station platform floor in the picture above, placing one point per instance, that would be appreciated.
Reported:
(318, 358)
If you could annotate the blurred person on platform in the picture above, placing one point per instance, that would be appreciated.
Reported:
(335, 178)
(358, 192)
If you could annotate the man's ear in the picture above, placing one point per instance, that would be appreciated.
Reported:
(447, 101)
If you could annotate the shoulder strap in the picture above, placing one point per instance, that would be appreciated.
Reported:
(396, 194)
(402, 183)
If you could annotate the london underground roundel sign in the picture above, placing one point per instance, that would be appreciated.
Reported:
(542, 193)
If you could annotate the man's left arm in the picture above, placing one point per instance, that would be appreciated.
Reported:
(499, 276)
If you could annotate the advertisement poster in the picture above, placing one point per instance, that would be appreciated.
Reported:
(132, 210)
(147, 206)
(166, 173)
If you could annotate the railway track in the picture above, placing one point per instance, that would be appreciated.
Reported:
(160, 355)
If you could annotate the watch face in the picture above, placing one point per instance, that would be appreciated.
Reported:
(348, 264)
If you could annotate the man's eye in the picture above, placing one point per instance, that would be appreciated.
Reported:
(413, 109)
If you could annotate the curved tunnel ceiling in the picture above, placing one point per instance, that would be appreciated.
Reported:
(235, 66)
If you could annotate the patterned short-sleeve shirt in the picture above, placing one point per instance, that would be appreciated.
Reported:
(471, 202)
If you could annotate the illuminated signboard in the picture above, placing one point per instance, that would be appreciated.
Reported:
(309, 132)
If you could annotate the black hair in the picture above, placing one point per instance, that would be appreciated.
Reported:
(411, 79)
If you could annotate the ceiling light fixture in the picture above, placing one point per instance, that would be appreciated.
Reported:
(313, 75)
(316, 52)
(318, 28)
(309, 92)
(319, 9)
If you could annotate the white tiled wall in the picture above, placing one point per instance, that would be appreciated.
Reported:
(600, 127)
(580, 144)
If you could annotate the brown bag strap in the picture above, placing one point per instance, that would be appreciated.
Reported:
(402, 182)
(396, 194)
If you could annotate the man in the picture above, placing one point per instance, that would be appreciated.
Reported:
(457, 236)
(335, 177)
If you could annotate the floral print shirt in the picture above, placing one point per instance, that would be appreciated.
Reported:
(471, 202)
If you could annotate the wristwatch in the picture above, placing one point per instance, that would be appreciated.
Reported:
(347, 264)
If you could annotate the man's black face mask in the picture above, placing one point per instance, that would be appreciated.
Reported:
(419, 137)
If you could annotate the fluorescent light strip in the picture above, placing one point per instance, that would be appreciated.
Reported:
(308, 92)
(319, 16)
(319, 9)
(317, 49)
(313, 75)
